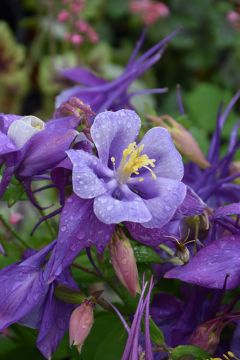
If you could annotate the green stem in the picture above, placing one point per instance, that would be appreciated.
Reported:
(48, 225)
(85, 270)
(13, 232)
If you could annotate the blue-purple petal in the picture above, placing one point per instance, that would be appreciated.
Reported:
(159, 145)
(82, 76)
(110, 210)
(87, 172)
(169, 196)
(213, 265)
(79, 228)
(112, 132)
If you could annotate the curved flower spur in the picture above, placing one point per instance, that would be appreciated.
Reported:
(101, 94)
(126, 182)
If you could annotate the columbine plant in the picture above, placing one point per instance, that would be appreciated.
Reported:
(126, 182)
(129, 204)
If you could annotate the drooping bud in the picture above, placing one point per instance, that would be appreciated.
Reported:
(77, 108)
(123, 261)
(21, 130)
(183, 139)
(207, 335)
(81, 322)
(74, 107)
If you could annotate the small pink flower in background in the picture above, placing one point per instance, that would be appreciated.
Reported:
(76, 39)
(63, 16)
(79, 30)
(149, 11)
(15, 218)
(81, 26)
(233, 18)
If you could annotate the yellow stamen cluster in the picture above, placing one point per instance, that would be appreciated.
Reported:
(132, 161)
(227, 356)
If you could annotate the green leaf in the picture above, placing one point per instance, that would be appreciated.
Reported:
(69, 295)
(14, 193)
(23, 353)
(155, 333)
(106, 340)
(203, 103)
(145, 254)
(189, 352)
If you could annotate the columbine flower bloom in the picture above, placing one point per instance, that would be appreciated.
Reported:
(26, 298)
(31, 147)
(125, 183)
(101, 94)
(216, 185)
(210, 266)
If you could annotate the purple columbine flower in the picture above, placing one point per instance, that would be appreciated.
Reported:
(215, 185)
(103, 95)
(210, 266)
(26, 298)
(126, 182)
(31, 147)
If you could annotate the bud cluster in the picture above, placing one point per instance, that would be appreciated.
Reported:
(149, 11)
(80, 30)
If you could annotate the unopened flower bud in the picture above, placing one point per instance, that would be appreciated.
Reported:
(21, 130)
(81, 322)
(74, 107)
(124, 263)
(182, 253)
(63, 16)
(183, 139)
(235, 168)
(207, 336)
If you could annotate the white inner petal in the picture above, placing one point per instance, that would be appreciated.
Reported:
(20, 131)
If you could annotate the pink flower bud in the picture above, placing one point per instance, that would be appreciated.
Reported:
(123, 261)
(81, 322)
(77, 6)
(15, 217)
(207, 336)
(149, 11)
(183, 139)
(63, 16)
(93, 36)
(76, 39)
(82, 26)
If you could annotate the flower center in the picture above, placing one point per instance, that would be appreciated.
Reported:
(132, 161)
